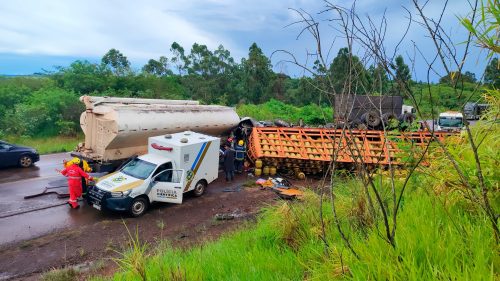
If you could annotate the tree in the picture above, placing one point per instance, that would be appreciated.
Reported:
(257, 74)
(159, 67)
(179, 59)
(379, 80)
(201, 60)
(403, 75)
(348, 74)
(117, 62)
(456, 77)
(82, 77)
(492, 73)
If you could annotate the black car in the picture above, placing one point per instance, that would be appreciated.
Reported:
(12, 155)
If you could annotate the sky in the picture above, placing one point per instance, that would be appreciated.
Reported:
(39, 35)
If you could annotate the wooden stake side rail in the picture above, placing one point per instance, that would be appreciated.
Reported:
(355, 146)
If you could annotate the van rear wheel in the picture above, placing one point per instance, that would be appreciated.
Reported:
(138, 207)
(199, 188)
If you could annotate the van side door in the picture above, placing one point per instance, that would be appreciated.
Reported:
(168, 186)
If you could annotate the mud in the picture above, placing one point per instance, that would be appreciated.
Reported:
(90, 235)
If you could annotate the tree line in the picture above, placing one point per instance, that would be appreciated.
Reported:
(47, 103)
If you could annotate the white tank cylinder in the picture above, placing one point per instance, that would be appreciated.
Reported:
(116, 130)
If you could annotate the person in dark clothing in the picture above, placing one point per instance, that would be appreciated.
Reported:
(229, 156)
(240, 151)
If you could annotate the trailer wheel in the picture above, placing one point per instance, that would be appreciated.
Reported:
(390, 121)
(371, 118)
(138, 207)
(407, 117)
(199, 188)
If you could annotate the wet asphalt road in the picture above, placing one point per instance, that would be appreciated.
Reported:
(15, 183)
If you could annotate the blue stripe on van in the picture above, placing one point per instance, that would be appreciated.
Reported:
(198, 156)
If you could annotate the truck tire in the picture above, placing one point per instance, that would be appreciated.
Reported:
(25, 161)
(199, 188)
(390, 121)
(371, 119)
(138, 207)
(407, 117)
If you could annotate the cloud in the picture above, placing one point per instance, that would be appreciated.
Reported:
(90, 29)
(146, 29)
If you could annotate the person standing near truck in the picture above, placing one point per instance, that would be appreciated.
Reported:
(84, 165)
(74, 174)
(240, 156)
(229, 156)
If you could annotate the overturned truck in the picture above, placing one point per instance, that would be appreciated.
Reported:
(372, 112)
(118, 128)
(301, 151)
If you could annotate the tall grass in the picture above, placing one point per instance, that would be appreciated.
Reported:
(434, 242)
(45, 145)
(441, 233)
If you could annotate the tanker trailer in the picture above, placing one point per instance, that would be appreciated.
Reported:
(118, 128)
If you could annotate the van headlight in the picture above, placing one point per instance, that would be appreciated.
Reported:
(121, 193)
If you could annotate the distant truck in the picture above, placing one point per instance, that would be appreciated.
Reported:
(450, 121)
(474, 110)
(372, 112)
(175, 164)
(118, 128)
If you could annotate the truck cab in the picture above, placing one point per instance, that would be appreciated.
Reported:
(174, 164)
(450, 121)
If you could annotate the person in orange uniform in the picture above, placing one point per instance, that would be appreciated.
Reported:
(74, 174)
(85, 167)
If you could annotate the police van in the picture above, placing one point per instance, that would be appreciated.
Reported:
(174, 165)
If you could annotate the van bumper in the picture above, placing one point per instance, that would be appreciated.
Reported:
(102, 200)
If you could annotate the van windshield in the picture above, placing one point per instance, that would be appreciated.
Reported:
(455, 122)
(138, 168)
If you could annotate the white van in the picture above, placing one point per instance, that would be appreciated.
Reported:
(174, 164)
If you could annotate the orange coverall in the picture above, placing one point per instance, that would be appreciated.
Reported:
(74, 175)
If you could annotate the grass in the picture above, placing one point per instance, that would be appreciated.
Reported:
(285, 244)
(65, 274)
(46, 145)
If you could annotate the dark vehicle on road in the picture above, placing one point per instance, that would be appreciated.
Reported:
(12, 155)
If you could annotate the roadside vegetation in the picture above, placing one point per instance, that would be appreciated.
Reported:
(50, 144)
(272, 110)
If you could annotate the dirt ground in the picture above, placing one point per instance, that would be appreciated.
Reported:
(183, 225)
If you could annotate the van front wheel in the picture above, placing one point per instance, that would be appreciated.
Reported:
(138, 207)
(199, 188)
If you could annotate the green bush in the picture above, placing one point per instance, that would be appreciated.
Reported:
(47, 111)
(273, 109)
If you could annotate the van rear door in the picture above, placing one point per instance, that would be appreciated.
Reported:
(168, 186)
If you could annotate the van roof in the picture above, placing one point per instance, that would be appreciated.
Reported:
(154, 158)
(451, 114)
(191, 137)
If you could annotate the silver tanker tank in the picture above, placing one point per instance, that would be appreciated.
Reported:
(118, 128)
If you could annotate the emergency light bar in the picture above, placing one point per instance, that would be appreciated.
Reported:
(160, 147)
